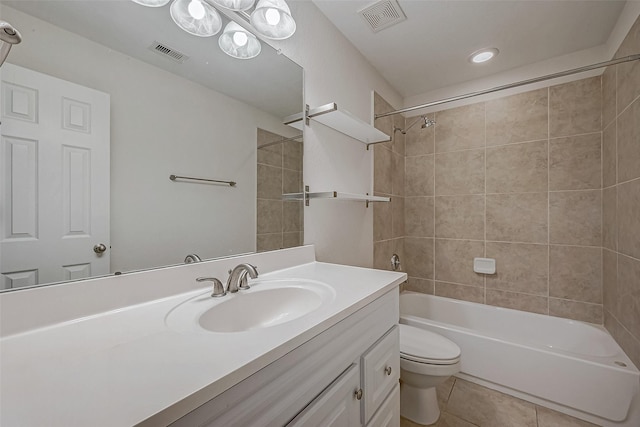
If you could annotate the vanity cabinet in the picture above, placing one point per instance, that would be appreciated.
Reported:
(360, 391)
(336, 406)
(380, 371)
(318, 383)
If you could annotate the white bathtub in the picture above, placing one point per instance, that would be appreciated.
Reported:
(566, 365)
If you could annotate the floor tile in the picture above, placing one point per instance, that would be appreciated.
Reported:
(550, 418)
(489, 408)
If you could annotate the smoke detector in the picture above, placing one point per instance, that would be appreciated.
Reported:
(168, 52)
(382, 14)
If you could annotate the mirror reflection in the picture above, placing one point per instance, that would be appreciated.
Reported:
(101, 102)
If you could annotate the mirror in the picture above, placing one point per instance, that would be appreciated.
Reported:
(101, 102)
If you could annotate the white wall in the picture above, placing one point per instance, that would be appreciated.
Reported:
(558, 64)
(153, 220)
(335, 71)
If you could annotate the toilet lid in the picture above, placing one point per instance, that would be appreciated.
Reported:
(424, 346)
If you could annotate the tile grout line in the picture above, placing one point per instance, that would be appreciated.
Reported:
(506, 242)
(616, 116)
(548, 200)
(507, 144)
(484, 278)
(433, 213)
(581, 190)
(602, 128)
(624, 327)
(625, 182)
(624, 110)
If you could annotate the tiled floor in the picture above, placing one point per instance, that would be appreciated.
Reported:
(465, 404)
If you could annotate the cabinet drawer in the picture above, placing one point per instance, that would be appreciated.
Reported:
(336, 406)
(389, 413)
(381, 371)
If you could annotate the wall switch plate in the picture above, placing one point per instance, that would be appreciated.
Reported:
(484, 265)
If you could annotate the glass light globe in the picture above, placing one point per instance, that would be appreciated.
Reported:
(236, 5)
(272, 16)
(273, 20)
(240, 38)
(237, 42)
(196, 17)
(196, 9)
(151, 3)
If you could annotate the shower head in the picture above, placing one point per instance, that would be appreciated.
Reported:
(8, 37)
(427, 123)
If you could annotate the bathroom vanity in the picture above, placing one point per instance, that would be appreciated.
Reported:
(132, 355)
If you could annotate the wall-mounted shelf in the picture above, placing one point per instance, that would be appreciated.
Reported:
(306, 196)
(295, 120)
(340, 120)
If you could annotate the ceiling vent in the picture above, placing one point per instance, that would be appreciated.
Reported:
(382, 14)
(168, 52)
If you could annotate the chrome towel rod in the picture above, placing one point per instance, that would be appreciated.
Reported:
(174, 177)
(629, 58)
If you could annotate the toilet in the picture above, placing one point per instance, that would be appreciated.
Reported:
(426, 360)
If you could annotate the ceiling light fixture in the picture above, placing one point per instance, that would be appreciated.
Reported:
(239, 43)
(236, 5)
(270, 18)
(196, 17)
(151, 3)
(273, 20)
(483, 55)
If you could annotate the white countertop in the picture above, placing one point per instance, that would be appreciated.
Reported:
(126, 367)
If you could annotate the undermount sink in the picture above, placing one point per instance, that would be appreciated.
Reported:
(268, 303)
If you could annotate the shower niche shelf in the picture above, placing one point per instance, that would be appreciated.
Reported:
(340, 120)
(336, 195)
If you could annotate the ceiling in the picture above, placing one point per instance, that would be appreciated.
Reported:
(271, 82)
(430, 49)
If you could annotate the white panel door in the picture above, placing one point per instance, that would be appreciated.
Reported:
(54, 175)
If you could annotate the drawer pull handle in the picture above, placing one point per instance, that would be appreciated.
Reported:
(387, 370)
(358, 394)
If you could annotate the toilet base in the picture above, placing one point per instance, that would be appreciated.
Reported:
(419, 405)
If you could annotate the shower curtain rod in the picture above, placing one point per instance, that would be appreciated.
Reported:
(512, 85)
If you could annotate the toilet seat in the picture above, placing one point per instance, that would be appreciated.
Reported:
(422, 346)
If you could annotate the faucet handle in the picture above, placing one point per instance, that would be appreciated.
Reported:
(243, 281)
(218, 288)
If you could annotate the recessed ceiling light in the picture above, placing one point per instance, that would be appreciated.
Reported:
(483, 55)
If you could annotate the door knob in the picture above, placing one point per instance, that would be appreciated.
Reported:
(99, 248)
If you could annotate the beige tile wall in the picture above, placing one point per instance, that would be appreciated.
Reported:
(546, 182)
(279, 166)
(621, 198)
(517, 179)
(389, 226)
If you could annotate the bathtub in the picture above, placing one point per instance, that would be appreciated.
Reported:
(566, 365)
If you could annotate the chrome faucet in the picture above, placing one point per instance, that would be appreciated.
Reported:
(238, 277)
(218, 289)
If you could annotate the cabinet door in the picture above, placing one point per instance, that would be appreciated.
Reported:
(389, 413)
(336, 406)
(381, 371)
